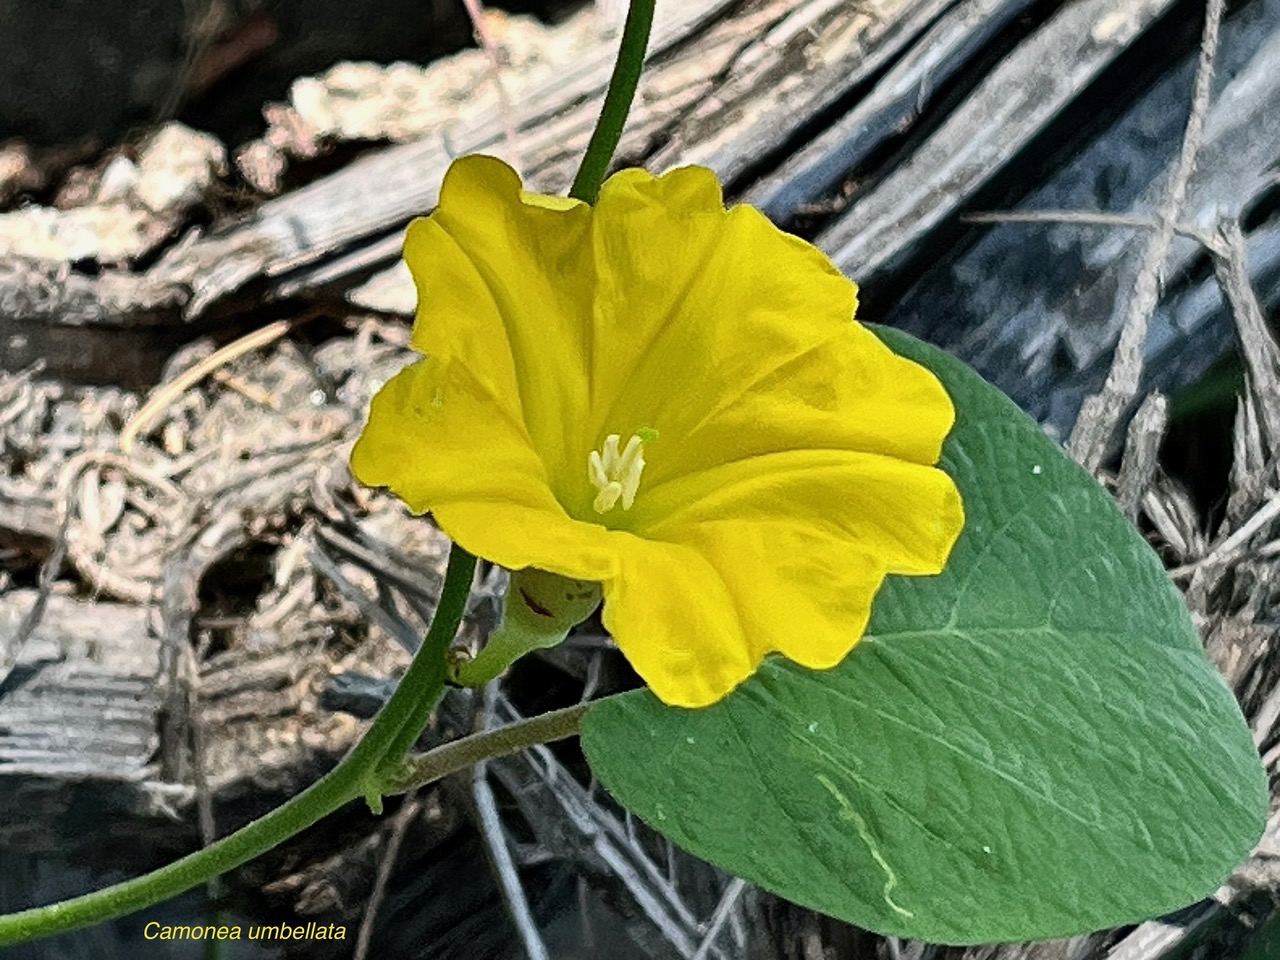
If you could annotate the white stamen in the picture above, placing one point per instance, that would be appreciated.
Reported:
(607, 497)
(616, 475)
(596, 472)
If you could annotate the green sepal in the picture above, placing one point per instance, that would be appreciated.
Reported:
(538, 612)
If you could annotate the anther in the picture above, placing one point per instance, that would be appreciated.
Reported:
(616, 474)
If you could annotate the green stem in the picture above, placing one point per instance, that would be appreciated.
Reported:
(419, 770)
(356, 774)
(617, 102)
(432, 654)
(321, 798)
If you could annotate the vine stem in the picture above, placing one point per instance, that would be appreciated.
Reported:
(466, 752)
(415, 771)
(361, 772)
(617, 102)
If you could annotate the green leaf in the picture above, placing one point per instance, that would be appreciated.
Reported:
(1030, 745)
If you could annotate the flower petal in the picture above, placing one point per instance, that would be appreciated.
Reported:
(676, 622)
(800, 591)
(438, 442)
(849, 392)
(695, 304)
(695, 619)
(504, 280)
(516, 535)
(802, 542)
(435, 432)
(907, 515)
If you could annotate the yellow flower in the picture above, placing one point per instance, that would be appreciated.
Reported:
(671, 400)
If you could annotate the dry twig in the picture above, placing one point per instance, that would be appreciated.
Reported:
(475, 10)
(404, 818)
(1141, 453)
(1101, 413)
(499, 852)
(602, 842)
(724, 909)
(167, 393)
(1257, 346)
